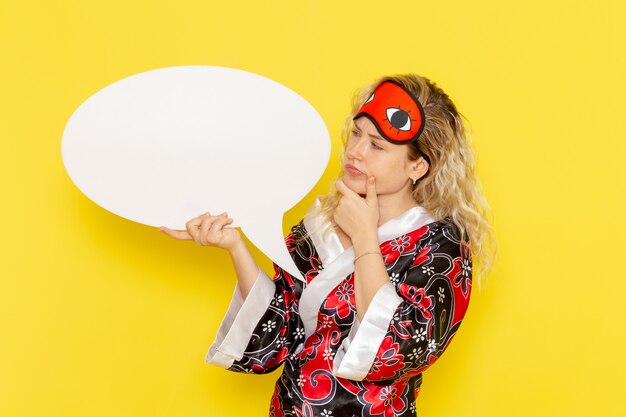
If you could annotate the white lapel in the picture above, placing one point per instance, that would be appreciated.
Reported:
(339, 263)
(328, 246)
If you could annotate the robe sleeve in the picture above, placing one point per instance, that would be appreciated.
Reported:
(408, 326)
(257, 334)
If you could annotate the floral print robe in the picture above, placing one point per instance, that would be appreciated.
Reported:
(335, 365)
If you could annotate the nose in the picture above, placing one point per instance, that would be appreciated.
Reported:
(356, 148)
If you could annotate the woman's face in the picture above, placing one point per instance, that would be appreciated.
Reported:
(368, 154)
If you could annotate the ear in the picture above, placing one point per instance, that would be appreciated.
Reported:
(418, 168)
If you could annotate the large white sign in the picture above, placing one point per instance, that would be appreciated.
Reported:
(167, 145)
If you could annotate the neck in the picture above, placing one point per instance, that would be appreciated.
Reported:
(393, 205)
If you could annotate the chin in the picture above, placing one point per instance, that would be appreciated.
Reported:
(356, 185)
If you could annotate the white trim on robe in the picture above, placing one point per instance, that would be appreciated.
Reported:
(328, 245)
(358, 351)
(240, 321)
(342, 265)
(355, 357)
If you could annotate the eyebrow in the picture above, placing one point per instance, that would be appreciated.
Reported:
(374, 136)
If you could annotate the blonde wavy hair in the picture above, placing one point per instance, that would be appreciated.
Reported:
(450, 188)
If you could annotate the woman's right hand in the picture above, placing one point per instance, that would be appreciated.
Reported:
(207, 230)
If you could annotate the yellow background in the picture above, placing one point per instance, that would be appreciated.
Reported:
(103, 317)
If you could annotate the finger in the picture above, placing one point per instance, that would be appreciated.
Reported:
(204, 229)
(193, 227)
(343, 188)
(219, 224)
(195, 222)
(370, 191)
(176, 234)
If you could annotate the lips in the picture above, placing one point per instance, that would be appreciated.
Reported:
(351, 169)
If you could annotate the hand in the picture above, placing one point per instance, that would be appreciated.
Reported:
(355, 215)
(207, 230)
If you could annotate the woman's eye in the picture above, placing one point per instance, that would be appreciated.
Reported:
(375, 146)
(356, 133)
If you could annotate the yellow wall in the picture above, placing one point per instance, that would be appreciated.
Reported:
(103, 317)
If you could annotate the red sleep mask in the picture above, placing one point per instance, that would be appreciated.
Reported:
(396, 113)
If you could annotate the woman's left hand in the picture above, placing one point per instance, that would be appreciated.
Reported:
(355, 215)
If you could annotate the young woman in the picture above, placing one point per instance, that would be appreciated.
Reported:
(387, 259)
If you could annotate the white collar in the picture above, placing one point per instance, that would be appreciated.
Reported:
(329, 246)
(338, 263)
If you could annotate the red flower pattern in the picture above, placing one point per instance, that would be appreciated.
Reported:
(435, 294)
